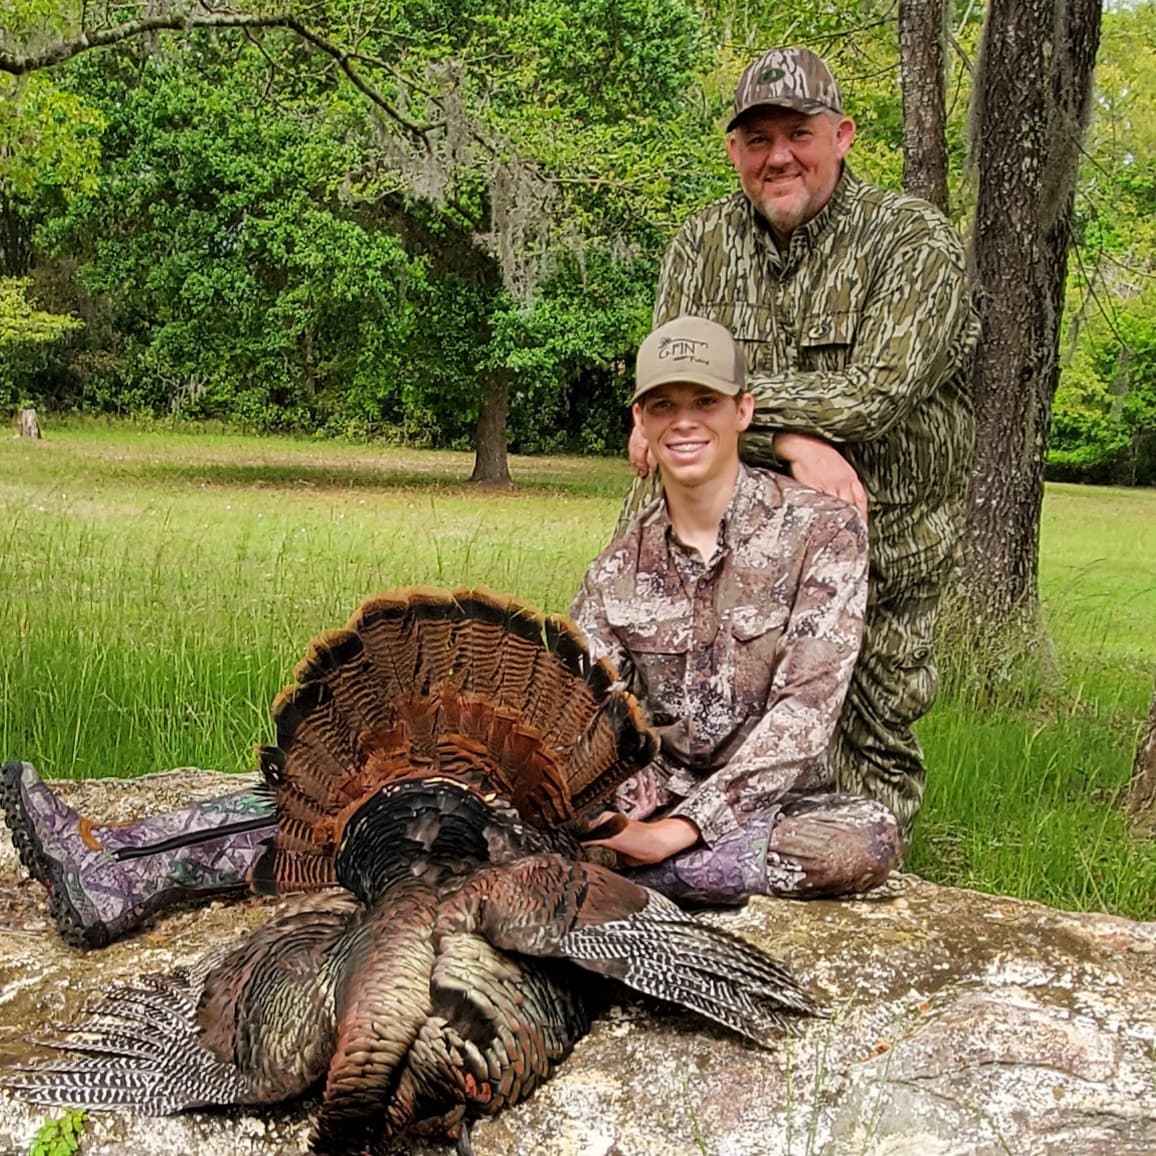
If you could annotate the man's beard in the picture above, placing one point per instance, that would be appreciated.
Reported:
(784, 215)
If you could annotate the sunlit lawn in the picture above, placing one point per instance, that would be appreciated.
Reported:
(156, 589)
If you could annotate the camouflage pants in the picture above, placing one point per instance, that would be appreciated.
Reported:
(894, 683)
(806, 847)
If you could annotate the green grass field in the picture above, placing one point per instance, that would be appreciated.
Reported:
(157, 589)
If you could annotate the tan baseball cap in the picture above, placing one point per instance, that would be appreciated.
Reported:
(691, 351)
(787, 78)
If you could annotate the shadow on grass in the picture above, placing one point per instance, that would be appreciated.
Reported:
(600, 483)
(291, 475)
(311, 471)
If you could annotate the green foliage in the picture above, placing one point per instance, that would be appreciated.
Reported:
(21, 323)
(250, 238)
(260, 248)
(24, 333)
(49, 140)
(582, 331)
(60, 1137)
(566, 356)
(1086, 438)
(1104, 419)
(49, 150)
(1104, 416)
(24, 21)
(220, 253)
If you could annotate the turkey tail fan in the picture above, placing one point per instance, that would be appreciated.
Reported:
(465, 684)
(616, 742)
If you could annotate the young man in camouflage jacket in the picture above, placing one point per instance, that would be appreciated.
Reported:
(852, 307)
(734, 607)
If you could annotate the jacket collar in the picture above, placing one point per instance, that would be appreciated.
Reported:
(745, 514)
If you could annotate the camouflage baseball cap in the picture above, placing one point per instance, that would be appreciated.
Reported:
(788, 78)
(691, 351)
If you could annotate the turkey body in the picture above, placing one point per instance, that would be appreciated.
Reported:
(436, 763)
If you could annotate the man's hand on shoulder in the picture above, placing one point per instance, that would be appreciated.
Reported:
(651, 842)
(821, 466)
(639, 453)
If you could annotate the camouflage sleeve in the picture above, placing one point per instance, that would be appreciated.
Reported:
(680, 292)
(787, 750)
(914, 329)
(589, 615)
(677, 279)
(643, 492)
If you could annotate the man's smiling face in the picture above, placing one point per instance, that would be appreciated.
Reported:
(789, 162)
(693, 432)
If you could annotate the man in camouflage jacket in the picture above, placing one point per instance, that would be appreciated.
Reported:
(735, 608)
(852, 307)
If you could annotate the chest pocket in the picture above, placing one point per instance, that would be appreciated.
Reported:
(757, 648)
(826, 340)
(658, 654)
(756, 329)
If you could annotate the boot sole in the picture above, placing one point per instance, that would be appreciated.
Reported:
(45, 870)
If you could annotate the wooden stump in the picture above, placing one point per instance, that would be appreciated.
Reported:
(1142, 789)
(29, 426)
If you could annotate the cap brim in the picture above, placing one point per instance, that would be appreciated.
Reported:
(795, 104)
(689, 377)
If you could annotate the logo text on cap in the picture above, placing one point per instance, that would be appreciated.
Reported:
(682, 349)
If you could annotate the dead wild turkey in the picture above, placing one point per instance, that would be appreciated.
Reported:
(439, 758)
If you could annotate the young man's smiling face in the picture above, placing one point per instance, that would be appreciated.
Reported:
(693, 432)
(789, 163)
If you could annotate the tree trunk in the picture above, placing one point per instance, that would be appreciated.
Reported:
(29, 426)
(1033, 91)
(491, 460)
(922, 33)
(1142, 789)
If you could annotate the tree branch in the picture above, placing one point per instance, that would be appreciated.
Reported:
(20, 65)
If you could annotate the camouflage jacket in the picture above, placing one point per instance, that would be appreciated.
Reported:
(742, 662)
(862, 332)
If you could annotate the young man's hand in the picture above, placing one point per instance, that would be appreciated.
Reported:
(821, 466)
(650, 842)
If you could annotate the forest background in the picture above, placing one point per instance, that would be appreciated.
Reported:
(237, 225)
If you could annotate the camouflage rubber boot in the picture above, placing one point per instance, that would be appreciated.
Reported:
(103, 880)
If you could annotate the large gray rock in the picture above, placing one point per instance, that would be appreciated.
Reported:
(959, 1024)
